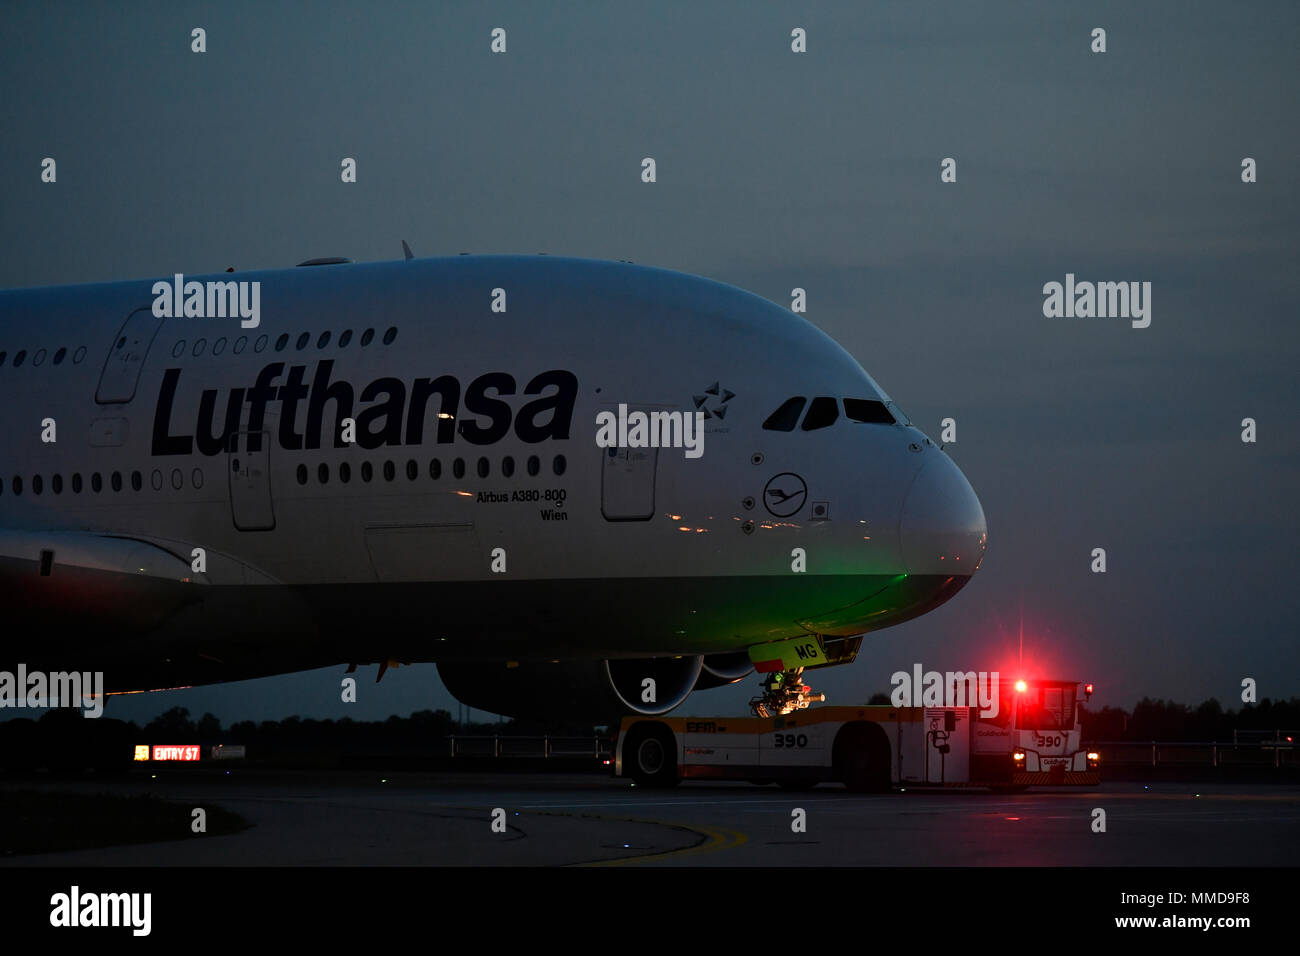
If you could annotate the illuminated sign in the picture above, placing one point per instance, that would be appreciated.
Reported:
(141, 751)
(176, 752)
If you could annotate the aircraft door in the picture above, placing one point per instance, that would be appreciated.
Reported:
(627, 486)
(627, 481)
(250, 482)
(126, 357)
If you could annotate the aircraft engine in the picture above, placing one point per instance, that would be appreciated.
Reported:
(720, 669)
(575, 690)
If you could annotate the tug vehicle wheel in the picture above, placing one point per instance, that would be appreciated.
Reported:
(651, 755)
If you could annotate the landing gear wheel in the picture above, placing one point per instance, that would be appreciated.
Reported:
(651, 756)
(784, 692)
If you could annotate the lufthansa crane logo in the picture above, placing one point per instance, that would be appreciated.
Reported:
(785, 494)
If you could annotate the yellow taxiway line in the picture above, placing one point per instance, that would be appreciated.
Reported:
(715, 838)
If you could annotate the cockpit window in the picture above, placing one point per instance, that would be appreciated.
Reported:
(824, 411)
(787, 416)
(821, 413)
(865, 410)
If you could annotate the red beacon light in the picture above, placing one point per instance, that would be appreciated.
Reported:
(1021, 686)
(1087, 691)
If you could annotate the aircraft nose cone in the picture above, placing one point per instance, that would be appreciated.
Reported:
(943, 529)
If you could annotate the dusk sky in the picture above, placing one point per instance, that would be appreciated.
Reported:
(779, 169)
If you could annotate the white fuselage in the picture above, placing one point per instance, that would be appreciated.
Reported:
(474, 515)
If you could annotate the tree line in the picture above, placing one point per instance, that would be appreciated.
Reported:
(65, 736)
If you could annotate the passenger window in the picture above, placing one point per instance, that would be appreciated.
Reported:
(821, 413)
(870, 412)
(787, 416)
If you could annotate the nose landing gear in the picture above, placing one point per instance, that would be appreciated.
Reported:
(783, 692)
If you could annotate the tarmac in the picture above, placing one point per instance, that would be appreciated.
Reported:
(446, 819)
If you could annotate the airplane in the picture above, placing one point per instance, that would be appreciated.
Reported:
(397, 462)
